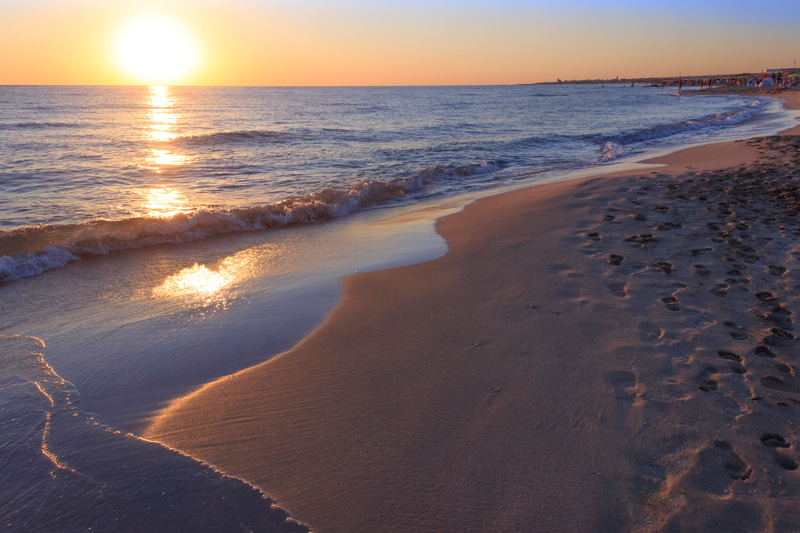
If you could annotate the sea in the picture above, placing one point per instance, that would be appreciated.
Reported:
(154, 239)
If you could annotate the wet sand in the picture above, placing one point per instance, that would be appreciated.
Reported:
(613, 353)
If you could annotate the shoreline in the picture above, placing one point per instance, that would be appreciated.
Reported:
(526, 377)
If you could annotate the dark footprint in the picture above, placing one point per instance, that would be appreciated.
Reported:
(701, 270)
(773, 440)
(734, 466)
(638, 217)
(642, 238)
(717, 467)
(609, 218)
(730, 356)
(739, 334)
(785, 462)
(764, 351)
(661, 209)
(776, 383)
(779, 337)
(720, 290)
(738, 368)
(672, 303)
(666, 226)
(615, 259)
(777, 270)
(783, 367)
(665, 267)
(781, 316)
(594, 236)
(765, 296)
(706, 383)
(698, 251)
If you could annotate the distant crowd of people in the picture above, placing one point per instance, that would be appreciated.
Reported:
(779, 81)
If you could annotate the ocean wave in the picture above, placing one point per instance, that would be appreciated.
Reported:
(37, 125)
(477, 168)
(32, 250)
(232, 137)
(728, 118)
(616, 147)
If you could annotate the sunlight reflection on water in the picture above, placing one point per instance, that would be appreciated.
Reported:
(201, 286)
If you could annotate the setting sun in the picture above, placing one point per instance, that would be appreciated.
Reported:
(156, 50)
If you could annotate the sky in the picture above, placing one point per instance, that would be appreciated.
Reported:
(388, 42)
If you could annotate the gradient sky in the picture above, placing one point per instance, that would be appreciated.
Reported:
(409, 42)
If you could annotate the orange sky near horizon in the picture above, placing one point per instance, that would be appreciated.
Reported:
(440, 42)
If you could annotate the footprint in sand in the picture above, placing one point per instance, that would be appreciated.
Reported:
(594, 236)
(666, 226)
(661, 209)
(777, 270)
(672, 303)
(649, 332)
(765, 296)
(615, 259)
(764, 351)
(618, 288)
(774, 440)
(720, 290)
(781, 316)
(642, 238)
(698, 251)
(735, 361)
(730, 356)
(780, 338)
(776, 383)
(738, 333)
(664, 267)
(622, 384)
(701, 270)
(704, 378)
(717, 467)
(784, 462)
(639, 218)
(734, 466)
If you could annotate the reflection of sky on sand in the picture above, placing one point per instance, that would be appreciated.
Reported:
(201, 286)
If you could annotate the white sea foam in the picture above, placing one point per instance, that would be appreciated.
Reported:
(71, 242)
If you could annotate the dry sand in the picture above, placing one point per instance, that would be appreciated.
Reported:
(610, 354)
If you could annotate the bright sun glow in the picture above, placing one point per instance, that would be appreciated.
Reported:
(156, 50)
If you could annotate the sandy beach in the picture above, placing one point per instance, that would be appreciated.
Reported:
(608, 354)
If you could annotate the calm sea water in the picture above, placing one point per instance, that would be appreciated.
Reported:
(89, 170)
(86, 170)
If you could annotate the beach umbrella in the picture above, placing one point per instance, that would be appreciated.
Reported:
(794, 75)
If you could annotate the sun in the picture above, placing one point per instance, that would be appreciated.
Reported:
(156, 50)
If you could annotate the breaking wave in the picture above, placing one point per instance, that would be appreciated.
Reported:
(32, 250)
(616, 147)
